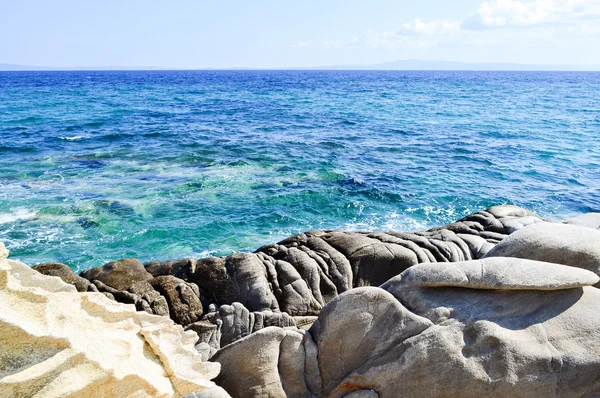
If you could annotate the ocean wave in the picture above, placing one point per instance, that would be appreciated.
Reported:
(74, 138)
(17, 214)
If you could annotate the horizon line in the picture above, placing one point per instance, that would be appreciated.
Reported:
(398, 65)
(292, 70)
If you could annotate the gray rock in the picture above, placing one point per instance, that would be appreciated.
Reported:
(181, 269)
(250, 367)
(249, 278)
(500, 273)
(205, 350)
(488, 330)
(183, 298)
(148, 299)
(236, 321)
(362, 394)
(304, 322)
(208, 332)
(556, 243)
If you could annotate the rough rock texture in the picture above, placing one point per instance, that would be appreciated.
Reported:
(55, 342)
(297, 276)
(502, 327)
(301, 274)
(120, 274)
(183, 298)
(557, 243)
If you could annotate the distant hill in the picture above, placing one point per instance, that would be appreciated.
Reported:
(394, 65)
(450, 65)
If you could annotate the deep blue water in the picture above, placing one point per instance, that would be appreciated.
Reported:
(96, 166)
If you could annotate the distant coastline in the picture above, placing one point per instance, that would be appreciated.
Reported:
(401, 65)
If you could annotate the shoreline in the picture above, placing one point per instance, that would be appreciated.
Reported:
(281, 320)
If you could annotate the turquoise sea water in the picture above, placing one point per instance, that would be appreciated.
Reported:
(96, 166)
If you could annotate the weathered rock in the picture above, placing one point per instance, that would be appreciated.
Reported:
(149, 300)
(65, 273)
(236, 321)
(250, 279)
(252, 365)
(182, 297)
(501, 327)
(55, 342)
(209, 333)
(358, 327)
(180, 268)
(120, 274)
(211, 277)
(301, 274)
(498, 273)
(304, 322)
(556, 243)
(588, 220)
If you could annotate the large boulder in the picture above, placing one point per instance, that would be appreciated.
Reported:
(556, 243)
(55, 342)
(182, 268)
(119, 275)
(502, 327)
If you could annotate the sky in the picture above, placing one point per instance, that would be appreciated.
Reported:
(307, 33)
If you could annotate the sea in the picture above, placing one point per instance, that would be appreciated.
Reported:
(101, 165)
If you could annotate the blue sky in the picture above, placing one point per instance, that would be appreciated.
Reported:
(232, 33)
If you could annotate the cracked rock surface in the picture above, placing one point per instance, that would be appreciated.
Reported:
(533, 333)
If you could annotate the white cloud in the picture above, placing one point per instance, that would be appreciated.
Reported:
(511, 13)
(494, 23)
(433, 28)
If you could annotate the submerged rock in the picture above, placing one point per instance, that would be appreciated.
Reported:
(55, 342)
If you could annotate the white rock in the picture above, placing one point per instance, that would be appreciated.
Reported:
(589, 220)
(55, 342)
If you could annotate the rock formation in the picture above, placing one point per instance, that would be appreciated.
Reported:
(558, 243)
(297, 276)
(501, 327)
(500, 303)
(55, 342)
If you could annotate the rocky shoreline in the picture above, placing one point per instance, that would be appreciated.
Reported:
(503, 296)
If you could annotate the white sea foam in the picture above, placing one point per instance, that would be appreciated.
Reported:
(74, 138)
(17, 214)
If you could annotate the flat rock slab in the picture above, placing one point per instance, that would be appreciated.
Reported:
(554, 243)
